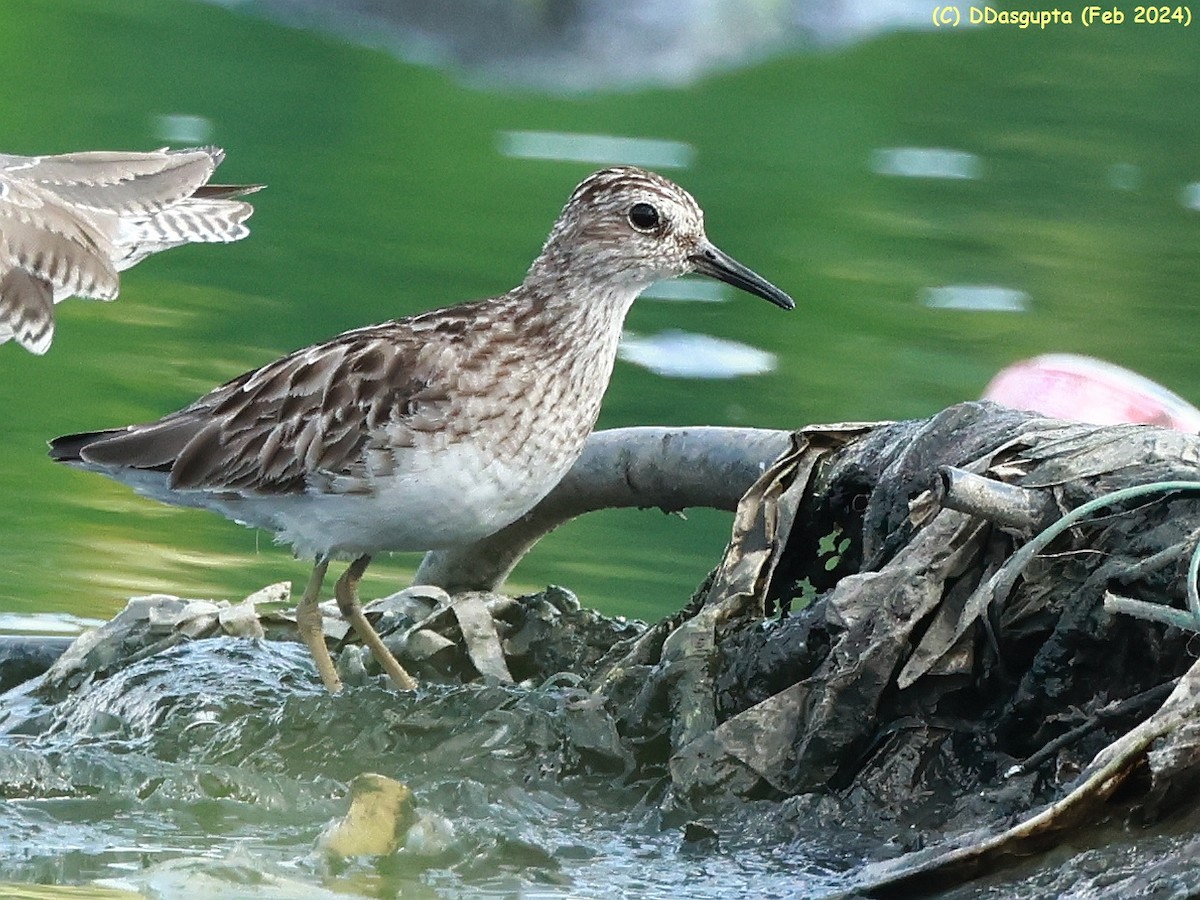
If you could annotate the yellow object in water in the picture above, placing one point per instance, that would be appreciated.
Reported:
(381, 812)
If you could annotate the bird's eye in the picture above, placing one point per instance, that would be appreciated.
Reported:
(644, 217)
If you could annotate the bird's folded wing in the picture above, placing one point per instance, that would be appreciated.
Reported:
(336, 414)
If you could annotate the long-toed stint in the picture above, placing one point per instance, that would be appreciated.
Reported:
(70, 223)
(430, 431)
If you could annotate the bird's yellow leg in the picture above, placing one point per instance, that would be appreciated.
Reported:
(308, 620)
(346, 592)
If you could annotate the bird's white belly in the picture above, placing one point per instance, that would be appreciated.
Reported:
(461, 496)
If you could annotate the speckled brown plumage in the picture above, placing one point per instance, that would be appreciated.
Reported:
(434, 430)
(70, 223)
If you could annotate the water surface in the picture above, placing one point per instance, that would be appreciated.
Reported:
(940, 205)
(1056, 166)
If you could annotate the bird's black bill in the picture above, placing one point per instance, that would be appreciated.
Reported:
(714, 263)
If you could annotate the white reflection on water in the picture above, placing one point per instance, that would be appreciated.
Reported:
(183, 129)
(681, 354)
(1190, 195)
(926, 162)
(604, 149)
(1124, 176)
(976, 298)
(46, 623)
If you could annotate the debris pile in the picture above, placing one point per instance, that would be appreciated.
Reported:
(898, 627)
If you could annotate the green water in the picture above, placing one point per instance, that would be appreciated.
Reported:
(388, 194)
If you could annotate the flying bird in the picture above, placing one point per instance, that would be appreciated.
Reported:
(70, 223)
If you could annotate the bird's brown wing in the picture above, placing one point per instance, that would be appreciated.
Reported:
(335, 413)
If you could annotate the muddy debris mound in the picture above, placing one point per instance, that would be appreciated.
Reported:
(944, 635)
(899, 623)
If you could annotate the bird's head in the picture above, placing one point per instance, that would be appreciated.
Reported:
(626, 226)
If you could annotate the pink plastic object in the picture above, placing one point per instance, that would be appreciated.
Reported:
(1084, 389)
